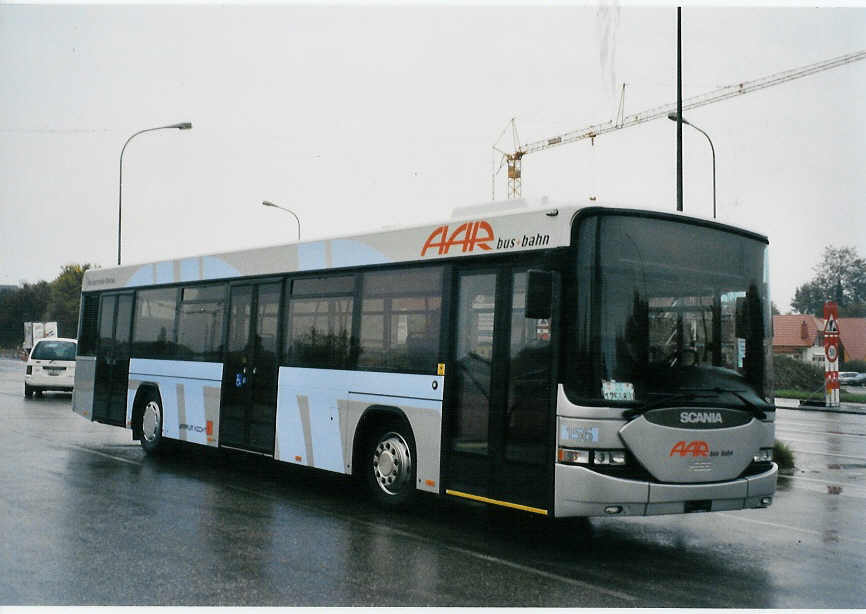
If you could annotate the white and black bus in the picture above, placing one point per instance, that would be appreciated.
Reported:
(567, 361)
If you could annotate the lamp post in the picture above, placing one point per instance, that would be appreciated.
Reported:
(268, 203)
(673, 117)
(180, 126)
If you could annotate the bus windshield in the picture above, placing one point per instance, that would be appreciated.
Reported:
(669, 310)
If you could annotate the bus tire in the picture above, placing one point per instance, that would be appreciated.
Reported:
(390, 466)
(150, 423)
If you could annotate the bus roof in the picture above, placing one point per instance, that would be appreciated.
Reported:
(499, 227)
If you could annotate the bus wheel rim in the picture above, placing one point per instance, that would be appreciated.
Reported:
(392, 463)
(150, 421)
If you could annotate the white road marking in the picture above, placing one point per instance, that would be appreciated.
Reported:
(783, 424)
(845, 490)
(855, 436)
(465, 551)
(812, 441)
(74, 447)
(111, 456)
(545, 574)
(786, 527)
(816, 452)
(822, 418)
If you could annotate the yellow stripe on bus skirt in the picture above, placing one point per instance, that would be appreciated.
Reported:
(516, 506)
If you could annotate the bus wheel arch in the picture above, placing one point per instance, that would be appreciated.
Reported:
(385, 457)
(147, 418)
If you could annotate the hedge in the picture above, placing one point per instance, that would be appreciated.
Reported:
(794, 374)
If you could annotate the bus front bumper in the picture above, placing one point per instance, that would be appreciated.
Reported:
(582, 492)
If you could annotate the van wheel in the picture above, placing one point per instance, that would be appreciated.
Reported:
(28, 391)
(150, 421)
(390, 466)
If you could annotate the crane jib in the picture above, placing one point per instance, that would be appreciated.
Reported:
(590, 132)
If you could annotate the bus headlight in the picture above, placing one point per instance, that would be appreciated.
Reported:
(576, 456)
(571, 456)
(764, 455)
(609, 457)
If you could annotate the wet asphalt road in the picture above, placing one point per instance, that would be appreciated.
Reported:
(87, 518)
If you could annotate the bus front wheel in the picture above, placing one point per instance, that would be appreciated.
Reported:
(151, 424)
(391, 466)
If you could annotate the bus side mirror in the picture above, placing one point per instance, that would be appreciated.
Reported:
(539, 294)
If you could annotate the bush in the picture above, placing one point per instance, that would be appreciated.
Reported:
(783, 456)
(792, 374)
(854, 365)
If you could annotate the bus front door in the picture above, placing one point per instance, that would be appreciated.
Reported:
(499, 404)
(112, 359)
(249, 386)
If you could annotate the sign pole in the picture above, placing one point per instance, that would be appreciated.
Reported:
(831, 354)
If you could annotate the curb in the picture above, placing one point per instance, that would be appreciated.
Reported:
(794, 404)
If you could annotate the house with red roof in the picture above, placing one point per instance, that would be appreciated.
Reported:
(852, 335)
(799, 336)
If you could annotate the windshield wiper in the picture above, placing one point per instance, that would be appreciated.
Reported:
(756, 411)
(688, 394)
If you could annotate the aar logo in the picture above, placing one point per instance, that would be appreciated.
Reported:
(693, 448)
(468, 236)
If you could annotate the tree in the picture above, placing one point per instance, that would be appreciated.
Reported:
(840, 277)
(42, 302)
(26, 304)
(66, 297)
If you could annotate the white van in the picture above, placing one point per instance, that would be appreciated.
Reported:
(51, 366)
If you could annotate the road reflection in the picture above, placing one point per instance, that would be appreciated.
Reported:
(246, 530)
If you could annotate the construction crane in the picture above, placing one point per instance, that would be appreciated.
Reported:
(514, 160)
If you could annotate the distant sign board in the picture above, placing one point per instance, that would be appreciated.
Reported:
(38, 331)
(34, 331)
(50, 329)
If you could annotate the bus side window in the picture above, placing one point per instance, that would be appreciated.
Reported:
(529, 380)
(154, 323)
(400, 320)
(200, 323)
(318, 323)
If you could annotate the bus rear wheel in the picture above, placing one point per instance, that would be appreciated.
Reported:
(151, 424)
(390, 467)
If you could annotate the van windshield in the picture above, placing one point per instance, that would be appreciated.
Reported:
(54, 350)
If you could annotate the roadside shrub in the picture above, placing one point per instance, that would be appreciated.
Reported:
(854, 365)
(783, 456)
(792, 374)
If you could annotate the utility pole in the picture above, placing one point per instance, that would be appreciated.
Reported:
(679, 111)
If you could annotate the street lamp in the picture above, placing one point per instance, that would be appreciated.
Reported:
(673, 117)
(180, 126)
(268, 203)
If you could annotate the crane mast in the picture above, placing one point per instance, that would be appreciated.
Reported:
(513, 160)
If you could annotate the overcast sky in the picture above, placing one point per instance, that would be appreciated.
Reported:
(361, 117)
